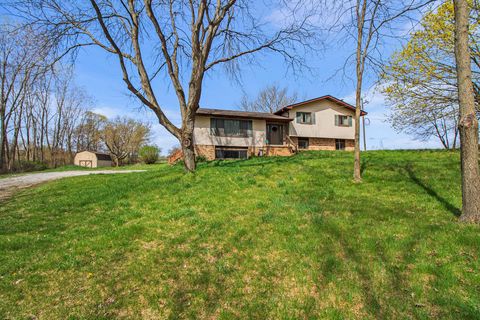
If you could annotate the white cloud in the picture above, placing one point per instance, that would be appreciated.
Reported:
(111, 112)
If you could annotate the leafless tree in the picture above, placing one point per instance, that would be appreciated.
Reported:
(468, 121)
(269, 99)
(180, 39)
(22, 61)
(40, 107)
(370, 24)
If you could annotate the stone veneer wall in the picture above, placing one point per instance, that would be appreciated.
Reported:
(208, 151)
(325, 143)
(205, 151)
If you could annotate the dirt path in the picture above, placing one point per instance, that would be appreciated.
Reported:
(9, 185)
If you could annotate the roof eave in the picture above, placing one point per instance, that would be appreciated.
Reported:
(329, 97)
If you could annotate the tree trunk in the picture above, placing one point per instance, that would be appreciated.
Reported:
(3, 164)
(468, 124)
(360, 62)
(356, 169)
(188, 150)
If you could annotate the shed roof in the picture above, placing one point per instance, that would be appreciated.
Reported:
(99, 155)
(103, 156)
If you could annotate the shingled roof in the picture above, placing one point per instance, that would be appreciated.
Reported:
(103, 156)
(327, 97)
(241, 114)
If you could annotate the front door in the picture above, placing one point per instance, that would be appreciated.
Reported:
(275, 133)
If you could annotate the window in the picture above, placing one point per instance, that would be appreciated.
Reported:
(231, 127)
(343, 121)
(303, 143)
(339, 144)
(231, 153)
(305, 118)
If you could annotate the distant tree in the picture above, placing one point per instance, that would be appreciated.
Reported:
(468, 123)
(22, 62)
(68, 112)
(420, 80)
(123, 138)
(269, 99)
(149, 154)
(89, 132)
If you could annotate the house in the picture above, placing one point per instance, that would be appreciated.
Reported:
(323, 123)
(92, 159)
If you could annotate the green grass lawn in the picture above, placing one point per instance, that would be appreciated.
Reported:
(267, 238)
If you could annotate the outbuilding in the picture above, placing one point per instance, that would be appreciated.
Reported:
(91, 159)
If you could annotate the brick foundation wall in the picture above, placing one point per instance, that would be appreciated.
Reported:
(208, 151)
(349, 145)
(205, 151)
(321, 144)
(325, 143)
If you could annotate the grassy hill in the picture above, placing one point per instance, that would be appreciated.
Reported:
(268, 238)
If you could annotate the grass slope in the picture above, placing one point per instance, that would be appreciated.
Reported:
(267, 238)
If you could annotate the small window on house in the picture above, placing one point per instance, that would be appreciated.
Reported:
(231, 153)
(231, 127)
(339, 144)
(343, 121)
(303, 143)
(305, 117)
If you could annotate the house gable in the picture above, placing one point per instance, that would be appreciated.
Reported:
(316, 100)
(325, 119)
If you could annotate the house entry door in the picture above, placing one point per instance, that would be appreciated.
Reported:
(275, 133)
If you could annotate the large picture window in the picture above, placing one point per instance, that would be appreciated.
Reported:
(231, 153)
(231, 127)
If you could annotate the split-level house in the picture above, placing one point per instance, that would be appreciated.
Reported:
(324, 123)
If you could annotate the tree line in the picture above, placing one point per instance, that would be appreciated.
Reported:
(44, 115)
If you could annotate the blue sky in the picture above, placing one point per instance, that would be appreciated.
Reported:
(99, 74)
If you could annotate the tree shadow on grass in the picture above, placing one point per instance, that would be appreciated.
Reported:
(447, 205)
(363, 166)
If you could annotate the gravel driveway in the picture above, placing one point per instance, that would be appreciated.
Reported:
(9, 185)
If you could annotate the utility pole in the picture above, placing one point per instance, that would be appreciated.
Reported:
(364, 132)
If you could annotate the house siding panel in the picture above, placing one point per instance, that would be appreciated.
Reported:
(202, 135)
(324, 126)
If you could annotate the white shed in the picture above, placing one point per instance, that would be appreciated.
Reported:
(91, 159)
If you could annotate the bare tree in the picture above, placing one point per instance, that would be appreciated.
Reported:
(40, 107)
(22, 61)
(468, 121)
(89, 132)
(124, 137)
(181, 39)
(369, 23)
(68, 111)
(269, 99)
